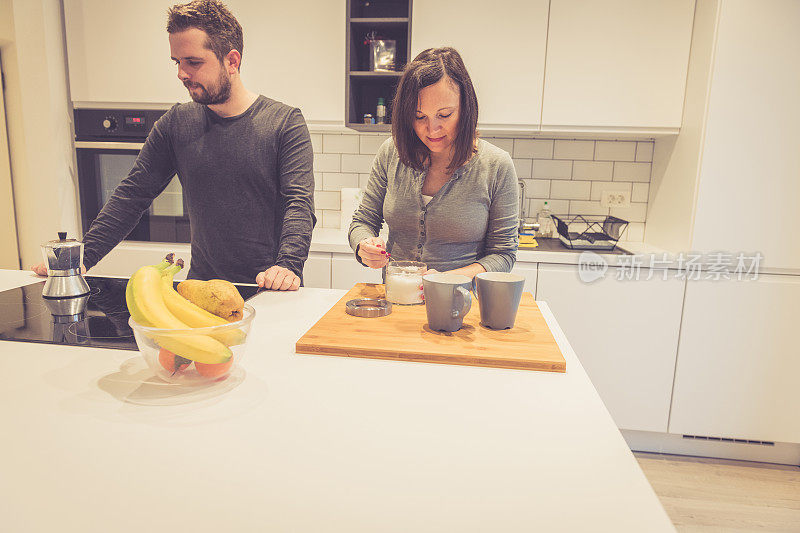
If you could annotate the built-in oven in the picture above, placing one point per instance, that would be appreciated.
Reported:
(107, 142)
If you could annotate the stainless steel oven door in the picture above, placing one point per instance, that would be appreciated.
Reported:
(102, 166)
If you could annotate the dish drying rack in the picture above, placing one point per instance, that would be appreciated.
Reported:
(589, 232)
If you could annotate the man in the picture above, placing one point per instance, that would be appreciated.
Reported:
(244, 161)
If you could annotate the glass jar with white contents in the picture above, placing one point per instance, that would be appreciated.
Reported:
(404, 282)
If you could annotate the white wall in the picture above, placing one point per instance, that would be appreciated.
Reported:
(39, 123)
(676, 162)
(9, 257)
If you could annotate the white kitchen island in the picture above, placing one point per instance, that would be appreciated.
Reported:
(92, 442)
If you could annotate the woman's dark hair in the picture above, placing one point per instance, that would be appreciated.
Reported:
(427, 68)
(214, 18)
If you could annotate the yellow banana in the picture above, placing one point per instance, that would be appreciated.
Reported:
(193, 315)
(146, 305)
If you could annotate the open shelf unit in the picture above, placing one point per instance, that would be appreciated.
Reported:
(389, 19)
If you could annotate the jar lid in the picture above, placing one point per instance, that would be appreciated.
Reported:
(368, 307)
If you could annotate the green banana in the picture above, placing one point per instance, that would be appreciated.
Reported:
(146, 305)
(193, 315)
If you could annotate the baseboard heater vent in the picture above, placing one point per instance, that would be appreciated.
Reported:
(723, 439)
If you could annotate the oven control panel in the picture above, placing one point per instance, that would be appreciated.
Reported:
(115, 124)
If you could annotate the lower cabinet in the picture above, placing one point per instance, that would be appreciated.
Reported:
(738, 372)
(625, 333)
(346, 272)
(317, 270)
(529, 272)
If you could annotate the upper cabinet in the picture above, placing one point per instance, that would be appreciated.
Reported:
(503, 46)
(617, 63)
(118, 52)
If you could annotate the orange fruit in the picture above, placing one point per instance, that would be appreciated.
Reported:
(168, 360)
(213, 371)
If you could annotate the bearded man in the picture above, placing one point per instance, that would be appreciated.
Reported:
(245, 163)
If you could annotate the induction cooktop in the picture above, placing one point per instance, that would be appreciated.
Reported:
(98, 320)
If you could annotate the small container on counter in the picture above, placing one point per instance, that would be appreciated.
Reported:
(380, 112)
(368, 118)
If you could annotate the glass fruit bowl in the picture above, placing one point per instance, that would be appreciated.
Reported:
(194, 356)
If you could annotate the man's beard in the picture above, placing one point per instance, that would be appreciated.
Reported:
(217, 95)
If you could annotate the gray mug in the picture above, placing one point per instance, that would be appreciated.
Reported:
(447, 300)
(498, 295)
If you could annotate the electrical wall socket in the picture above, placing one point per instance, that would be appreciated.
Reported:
(615, 198)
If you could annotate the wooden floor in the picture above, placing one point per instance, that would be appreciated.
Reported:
(701, 494)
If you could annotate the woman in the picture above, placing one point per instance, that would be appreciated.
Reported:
(450, 199)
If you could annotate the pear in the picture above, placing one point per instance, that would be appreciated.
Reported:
(216, 296)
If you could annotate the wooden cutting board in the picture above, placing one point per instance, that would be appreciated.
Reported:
(405, 335)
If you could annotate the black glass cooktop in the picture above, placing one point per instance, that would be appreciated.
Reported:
(99, 320)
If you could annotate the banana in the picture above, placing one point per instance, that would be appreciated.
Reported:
(193, 315)
(146, 304)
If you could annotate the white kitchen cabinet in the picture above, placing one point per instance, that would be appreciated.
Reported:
(503, 47)
(529, 271)
(346, 272)
(749, 181)
(617, 63)
(317, 270)
(118, 52)
(738, 364)
(625, 333)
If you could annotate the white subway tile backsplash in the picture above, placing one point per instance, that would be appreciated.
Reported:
(599, 186)
(537, 188)
(371, 143)
(592, 170)
(644, 151)
(634, 232)
(584, 207)
(640, 192)
(573, 150)
(557, 207)
(523, 168)
(533, 148)
(570, 174)
(334, 181)
(552, 169)
(615, 151)
(327, 200)
(357, 163)
(637, 212)
(502, 143)
(331, 218)
(570, 190)
(327, 162)
(340, 144)
(631, 171)
(316, 142)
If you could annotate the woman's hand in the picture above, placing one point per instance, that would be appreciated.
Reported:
(372, 252)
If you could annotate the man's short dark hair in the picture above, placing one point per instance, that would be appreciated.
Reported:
(427, 68)
(214, 18)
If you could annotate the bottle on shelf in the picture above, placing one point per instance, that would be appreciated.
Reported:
(545, 221)
(380, 112)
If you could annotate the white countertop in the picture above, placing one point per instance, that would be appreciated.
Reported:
(91, 442)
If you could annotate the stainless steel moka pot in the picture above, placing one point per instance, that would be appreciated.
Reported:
(63, 258)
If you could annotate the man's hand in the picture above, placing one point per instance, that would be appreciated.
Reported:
(278, 278)
(41, 270)
(373, 252)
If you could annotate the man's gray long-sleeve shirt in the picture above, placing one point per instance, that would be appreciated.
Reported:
(473, 218)
(248, 182)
